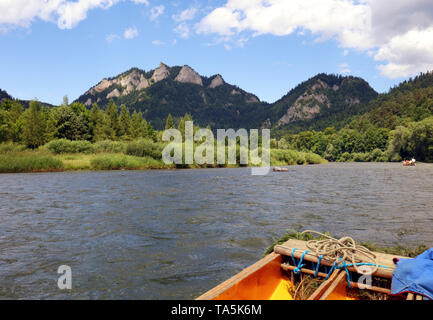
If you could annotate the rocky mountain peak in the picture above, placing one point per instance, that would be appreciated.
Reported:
(160, 73)
(216, 81)
(322, 94)
(189, 75)
(125, 84)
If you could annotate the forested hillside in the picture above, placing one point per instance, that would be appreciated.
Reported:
(4, 95)
(321, 102)
(210, 100)
(394, 126)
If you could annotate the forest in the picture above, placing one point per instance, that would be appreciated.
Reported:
(72, 137)
(395, 126)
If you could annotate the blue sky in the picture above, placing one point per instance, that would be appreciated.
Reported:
(41, 58)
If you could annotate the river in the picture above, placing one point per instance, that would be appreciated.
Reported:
(177, 234)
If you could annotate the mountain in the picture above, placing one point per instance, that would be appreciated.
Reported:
(320, 102)
(4, 95)
(210, 100)
(411, 100)
(177, 91)
(394, 126)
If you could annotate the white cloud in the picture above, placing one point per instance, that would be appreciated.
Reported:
(407, 52)
(111, 37)
(183, 30)
(158, 43)
(344, 68)
(130, 33)
(146, 2)
(65, 13)
(397, 32)
(185, 15)
(326, 18)
(155, 12)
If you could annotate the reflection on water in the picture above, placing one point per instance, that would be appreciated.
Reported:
(176, 234)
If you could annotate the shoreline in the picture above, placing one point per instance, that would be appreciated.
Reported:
(168, 168)
(45, 160)
(173, 168)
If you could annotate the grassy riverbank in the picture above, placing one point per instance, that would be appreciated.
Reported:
(65, 155)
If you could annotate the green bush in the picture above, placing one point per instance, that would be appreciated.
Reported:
(28, 162)
(108, 146)
(11, 147)
(111, 162)
(345, 157)
(378, 155)
(292, 157)
(120, 161)
(67, 146)
(360, 157)
(143, 148)
(312, 158)
(300, 159)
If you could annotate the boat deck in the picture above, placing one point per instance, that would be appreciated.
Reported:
(267, 279)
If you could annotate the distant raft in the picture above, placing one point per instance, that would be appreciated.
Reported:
(278, 169)
(410, 163)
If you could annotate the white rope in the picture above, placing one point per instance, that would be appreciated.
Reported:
(344, 249)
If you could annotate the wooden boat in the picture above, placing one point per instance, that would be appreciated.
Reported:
(278, 169)
(273, 278)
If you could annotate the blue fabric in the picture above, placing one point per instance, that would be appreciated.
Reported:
(414, 275)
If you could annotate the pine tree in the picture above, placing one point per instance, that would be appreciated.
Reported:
(34, 125)
(137, 127)
(65, 100)
(70, 125)
(113, 118)
(124, 122)
(94, 119)
(51, 125)
(151, 133)
(181, 128)
(169, 124)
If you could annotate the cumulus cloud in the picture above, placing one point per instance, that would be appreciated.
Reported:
(397, 33)
(66, 13)
(185, 15)
(130, 33)
(146, 2)
(111, 37)
(183, 30)
(344, 68)
(407, 53)
(155, 12)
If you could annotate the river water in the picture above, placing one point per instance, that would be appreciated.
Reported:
(177, 234)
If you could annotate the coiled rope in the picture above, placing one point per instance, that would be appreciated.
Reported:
(341, 251)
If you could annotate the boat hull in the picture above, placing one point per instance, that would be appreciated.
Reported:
(263, 280)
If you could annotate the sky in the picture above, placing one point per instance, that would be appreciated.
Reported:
(52, 48)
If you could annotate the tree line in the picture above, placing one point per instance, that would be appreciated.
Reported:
(38, 125)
